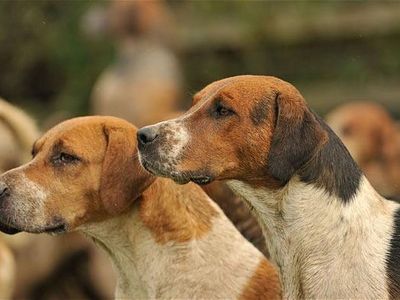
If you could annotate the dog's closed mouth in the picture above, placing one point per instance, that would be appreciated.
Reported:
(11, 230)
(56, 229)
(178, 177)
(201, 180)
(8, 229)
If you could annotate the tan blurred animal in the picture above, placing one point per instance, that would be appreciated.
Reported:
(373, 139)
(18, 131)
(144, 82)
(166, 241)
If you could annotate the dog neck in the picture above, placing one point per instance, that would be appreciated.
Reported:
(115, 236)
(324, 248)
(169, 244)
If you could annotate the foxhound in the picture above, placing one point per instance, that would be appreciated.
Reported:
(330, 234)
(165, 241)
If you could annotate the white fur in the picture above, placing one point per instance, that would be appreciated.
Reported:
(177, 137)
(31, 208)
(178, 140)
(217, 266)
(324, 248)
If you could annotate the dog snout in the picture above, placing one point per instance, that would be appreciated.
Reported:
(147, 135)
(4, 190)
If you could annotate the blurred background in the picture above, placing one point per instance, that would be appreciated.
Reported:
(143, 61)
(333, 52)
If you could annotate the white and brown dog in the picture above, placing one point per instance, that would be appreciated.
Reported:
(166, 241)
(331, 235)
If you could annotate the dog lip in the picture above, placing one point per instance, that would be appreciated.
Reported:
(9, 229)
(53, 229)
(146, 165)
(201, 180)
(158, 172)
(61, 228)
(182, 178)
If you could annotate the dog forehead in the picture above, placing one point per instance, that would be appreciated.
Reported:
(89, 125)
(71, 130)
(79, 134)
(245, 87)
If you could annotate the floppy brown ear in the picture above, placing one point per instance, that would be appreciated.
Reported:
(296, 137)
(123, 178)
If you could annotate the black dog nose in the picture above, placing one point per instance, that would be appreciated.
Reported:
(4, 191)
(147, 135)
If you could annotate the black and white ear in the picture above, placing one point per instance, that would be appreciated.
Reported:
(123, 178)
(296, 137)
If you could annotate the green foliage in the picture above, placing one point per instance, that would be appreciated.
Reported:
(46, 62)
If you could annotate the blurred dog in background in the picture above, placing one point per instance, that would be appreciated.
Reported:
(373, 139)
(18, 131)
(145, 82)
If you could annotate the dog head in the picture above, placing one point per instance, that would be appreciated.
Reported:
(246, 127)
(366, 129)
(83, 170)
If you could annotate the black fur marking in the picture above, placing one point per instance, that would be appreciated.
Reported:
(309, 148)
(333, 168)
(393, 262)
(259, 112)
(395, 198)
(292, 145)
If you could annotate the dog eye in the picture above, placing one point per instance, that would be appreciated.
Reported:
(64, 158)
(222, 111)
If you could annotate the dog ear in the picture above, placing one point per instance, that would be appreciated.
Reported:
(297, 136)
(123, 178)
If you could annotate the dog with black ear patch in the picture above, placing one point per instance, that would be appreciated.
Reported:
(329, 232)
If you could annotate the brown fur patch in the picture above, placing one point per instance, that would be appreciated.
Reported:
(264, 284)
(176, 213)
